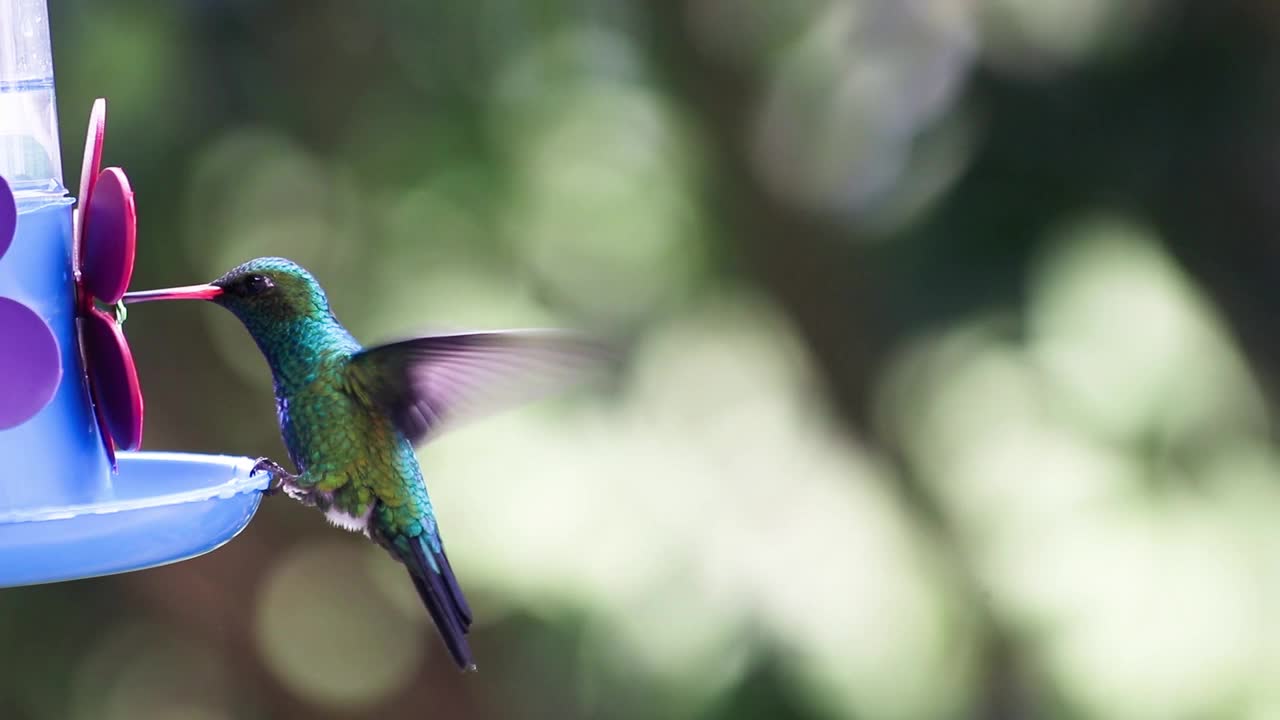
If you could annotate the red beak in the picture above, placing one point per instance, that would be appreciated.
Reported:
(190, 292)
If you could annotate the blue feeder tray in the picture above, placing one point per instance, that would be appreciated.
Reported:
(161, 508)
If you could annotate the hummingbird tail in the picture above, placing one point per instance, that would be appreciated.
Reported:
(433, 577)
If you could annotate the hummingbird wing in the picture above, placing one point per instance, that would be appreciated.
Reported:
(426, 383)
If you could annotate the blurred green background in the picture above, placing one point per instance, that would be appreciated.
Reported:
(951, 382)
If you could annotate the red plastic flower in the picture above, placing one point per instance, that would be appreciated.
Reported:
(105, 241)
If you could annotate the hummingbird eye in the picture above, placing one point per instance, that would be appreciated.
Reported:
(256, 284)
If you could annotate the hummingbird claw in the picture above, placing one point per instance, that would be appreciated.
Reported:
(278, 475)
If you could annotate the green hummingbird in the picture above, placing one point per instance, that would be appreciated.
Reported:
(351, 415)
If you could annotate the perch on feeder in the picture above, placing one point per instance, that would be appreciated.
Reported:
(71, 506)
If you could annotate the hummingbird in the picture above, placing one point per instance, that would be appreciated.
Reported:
(351, 416)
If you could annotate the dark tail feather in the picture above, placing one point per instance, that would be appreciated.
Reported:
(455, 592)
(444, 600)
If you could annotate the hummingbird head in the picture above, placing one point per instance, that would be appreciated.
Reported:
(269, 290)
(270, 295)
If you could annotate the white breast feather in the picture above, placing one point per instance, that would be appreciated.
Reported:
(341, 518)
(354, 523)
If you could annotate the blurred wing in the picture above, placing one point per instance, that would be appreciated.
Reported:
(426, 383)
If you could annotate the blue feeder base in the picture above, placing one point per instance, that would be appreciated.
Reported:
(162, 508)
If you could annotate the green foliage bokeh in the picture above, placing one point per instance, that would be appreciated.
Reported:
(950, 355)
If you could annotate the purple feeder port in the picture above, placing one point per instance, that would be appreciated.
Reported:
(31, 354)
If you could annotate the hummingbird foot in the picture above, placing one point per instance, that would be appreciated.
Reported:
(279, 476)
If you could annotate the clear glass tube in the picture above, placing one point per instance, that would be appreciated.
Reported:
(30, 158)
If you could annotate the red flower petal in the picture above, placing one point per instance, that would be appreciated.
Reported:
(82, 321)
(89, 169)
(113, 379)
(106, 263)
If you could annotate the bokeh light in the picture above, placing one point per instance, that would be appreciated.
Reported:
(327, 636)
(1070, 462)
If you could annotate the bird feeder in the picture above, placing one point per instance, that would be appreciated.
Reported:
(77, 498)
